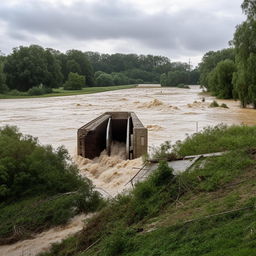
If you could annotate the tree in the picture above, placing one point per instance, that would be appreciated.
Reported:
(27, 67)
(220, 79)
(3, 86)
(245, 49)
(104, 80)
(54, 75)
(120, 78)
(74, 82)
(77, 62)
(249, 8)
(163, 79)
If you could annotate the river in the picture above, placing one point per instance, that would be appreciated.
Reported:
(168, 113)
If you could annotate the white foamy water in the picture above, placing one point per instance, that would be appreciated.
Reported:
(168, 113)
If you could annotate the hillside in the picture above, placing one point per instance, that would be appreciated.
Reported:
(209, 210)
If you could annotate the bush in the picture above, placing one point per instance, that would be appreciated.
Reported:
(27, 168)
(161, 153)
(3, 88)
(214, 104)
(74, 82)
(104, 80)
(183, 86)
(16, 93)
(39, 90)
(39, 187)
(223, 105)
(117, 242)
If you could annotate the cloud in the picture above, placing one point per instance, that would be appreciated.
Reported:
(173, 28)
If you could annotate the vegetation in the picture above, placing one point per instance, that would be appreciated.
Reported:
(29, 69)
(39, 186)
(62, 92)
(206, 211)
(230, 73)
(214, 104)
(74, 82)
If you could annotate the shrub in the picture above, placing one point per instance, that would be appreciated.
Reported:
(16, 93)
(104, 80)
(74, 82)
(183, 86)
(161, 153)
(3, 88)
(117, 242)
(223, 105)
(39, 90)
(28, 168)
(163, 174)
(214, 104)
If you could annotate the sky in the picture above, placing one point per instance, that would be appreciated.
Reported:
(182, 30)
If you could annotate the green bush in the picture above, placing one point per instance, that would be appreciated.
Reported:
(16, 93)
(27, 168)
(3, 88)
(223, 105)
(74, 82)
(117, 243)
(214, 104)
(184, 86)
(39, 90)
(104, 79)
(39, 187)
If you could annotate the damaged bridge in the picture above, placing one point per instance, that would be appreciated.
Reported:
(100, 133)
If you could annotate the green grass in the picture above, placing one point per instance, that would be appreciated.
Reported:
(62, 92)
(217, 139)
(152, 219)
(21, 219)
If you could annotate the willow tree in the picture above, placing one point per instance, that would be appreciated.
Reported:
(245, 48)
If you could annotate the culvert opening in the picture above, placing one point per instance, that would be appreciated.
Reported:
(122, 128)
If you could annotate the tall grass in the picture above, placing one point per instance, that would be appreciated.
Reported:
(217, 139)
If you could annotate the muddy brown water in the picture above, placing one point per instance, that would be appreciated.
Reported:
(168, 113)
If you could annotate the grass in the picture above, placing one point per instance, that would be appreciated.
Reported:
(62, 92)
(21, 219)
(152, 219)
(217, 139)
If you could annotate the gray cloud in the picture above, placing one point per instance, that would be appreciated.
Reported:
(187, 31)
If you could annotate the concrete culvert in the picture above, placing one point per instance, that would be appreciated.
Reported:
(111, 127)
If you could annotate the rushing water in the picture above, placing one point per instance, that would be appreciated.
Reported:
(168, 113)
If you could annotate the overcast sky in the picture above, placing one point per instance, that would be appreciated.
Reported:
(178, 29)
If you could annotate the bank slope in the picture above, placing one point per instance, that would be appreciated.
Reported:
(209, 210)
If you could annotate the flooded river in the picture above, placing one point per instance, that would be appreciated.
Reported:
(168, 113)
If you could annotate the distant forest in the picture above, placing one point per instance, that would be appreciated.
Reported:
(28, 68)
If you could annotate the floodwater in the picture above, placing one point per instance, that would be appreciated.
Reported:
(40, 242)
(168, 113)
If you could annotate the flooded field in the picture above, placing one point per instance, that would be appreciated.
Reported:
(168, 113)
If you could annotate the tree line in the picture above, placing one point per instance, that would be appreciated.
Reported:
(231, 73)
(36, 70)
